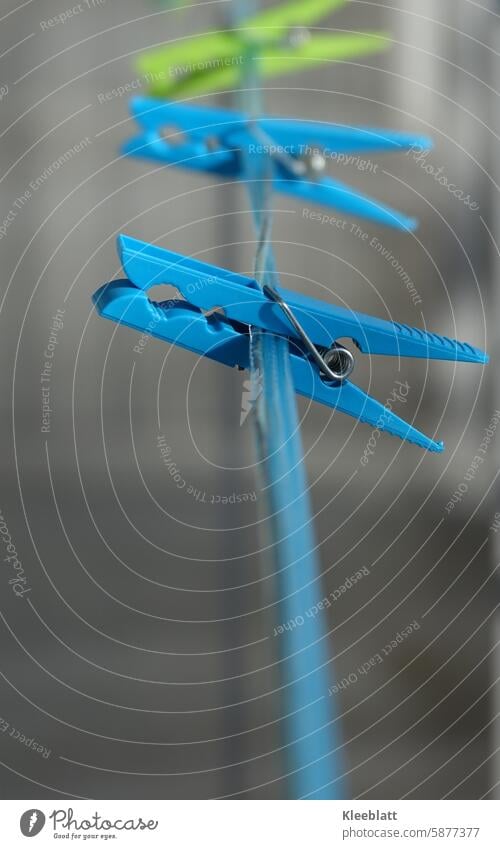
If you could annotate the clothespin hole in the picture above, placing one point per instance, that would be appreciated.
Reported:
(173, 135)
(163, 292)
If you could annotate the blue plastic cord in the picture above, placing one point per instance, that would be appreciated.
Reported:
(315, 766)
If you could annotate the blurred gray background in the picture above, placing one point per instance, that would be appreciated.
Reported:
(142, 659)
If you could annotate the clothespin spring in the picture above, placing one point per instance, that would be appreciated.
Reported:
(335, 363)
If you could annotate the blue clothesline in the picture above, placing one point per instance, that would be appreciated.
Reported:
(312, 739)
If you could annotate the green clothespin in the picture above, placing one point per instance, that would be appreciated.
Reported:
(277, 39)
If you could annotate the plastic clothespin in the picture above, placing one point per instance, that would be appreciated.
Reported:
(276, 38)
(211, 140)
(225, 338)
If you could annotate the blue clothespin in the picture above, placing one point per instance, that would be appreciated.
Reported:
(225, 338)
(211, 140)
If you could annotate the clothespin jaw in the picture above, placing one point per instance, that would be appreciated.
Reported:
(175, 321)
(172, 75)
(225, 338)
(212, 139)
(277, 39)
